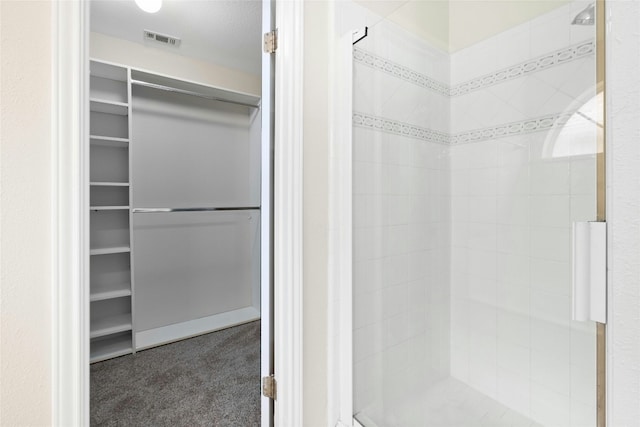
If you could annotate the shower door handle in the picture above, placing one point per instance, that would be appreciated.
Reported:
(590, 271)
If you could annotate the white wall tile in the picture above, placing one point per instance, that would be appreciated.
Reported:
(483, 264)
(395, 270)
(514, 296)
(514, 268)
(366, 178)
(531, 96)
(550, 178)
(367, 145)
(367, 308)
(513, 357)
(551, 307)
(513, 180)
(513, 239)
(583, 175)
(367, 243)
(482, 209)
(551, 277)
(483, 182)
(584, 208)
(367, 275)
(582, 86)
(551, 243)
(480, 236)
(550, 373)
(514, 327)
(550, 211)
(551, 339)
(583, 383)
(513, 151)
(395, 330)
(394, 300)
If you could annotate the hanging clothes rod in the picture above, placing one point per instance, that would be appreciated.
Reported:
(159, 210)
(188, 92)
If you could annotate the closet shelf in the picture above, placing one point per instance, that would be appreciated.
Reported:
(110, 325)
(109, 141)
(110, 347)
(108, 208)
(110, 250)
(109, 107)
(108, 71)
(119, 291)
(108, 184)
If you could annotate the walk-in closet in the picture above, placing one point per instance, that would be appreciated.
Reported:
(176, 222)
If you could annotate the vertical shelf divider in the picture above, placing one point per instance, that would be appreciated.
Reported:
(131, 261)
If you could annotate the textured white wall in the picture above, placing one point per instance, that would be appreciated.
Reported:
(148, 58)
(25, 292)
(623, 194)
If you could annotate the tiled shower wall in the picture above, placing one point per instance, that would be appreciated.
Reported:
(468, 172)
(401, 219)
(522, 169)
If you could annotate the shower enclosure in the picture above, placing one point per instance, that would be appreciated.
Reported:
(475, 148)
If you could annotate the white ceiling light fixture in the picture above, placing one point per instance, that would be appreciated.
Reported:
(149, 6)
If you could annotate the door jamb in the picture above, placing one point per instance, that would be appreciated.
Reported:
(288, 210)
(70, 302)
(340, 239)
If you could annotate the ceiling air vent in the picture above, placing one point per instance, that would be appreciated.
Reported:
(161, 38)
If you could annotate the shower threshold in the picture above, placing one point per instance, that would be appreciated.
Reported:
(448, 403)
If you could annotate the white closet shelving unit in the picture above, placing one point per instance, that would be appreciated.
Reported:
(111, 287)
(220, 250)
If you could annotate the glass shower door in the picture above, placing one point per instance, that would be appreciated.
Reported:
(472, 157)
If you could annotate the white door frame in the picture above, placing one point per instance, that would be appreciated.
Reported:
(340, 359)
(70, 320)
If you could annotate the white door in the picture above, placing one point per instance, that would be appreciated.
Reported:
(266, 345)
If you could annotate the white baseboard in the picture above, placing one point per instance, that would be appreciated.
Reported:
(192, 328)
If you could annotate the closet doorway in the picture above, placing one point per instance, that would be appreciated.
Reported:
(179, 159)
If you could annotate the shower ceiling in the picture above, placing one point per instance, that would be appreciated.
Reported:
(455, 24)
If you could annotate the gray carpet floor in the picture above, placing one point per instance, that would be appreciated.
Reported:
(210, 380)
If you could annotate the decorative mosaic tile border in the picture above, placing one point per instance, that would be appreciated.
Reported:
(400, 128)
(539, 63)
(400, 71)
(536, 124)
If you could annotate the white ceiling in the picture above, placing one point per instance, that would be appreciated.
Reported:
(224, 32)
